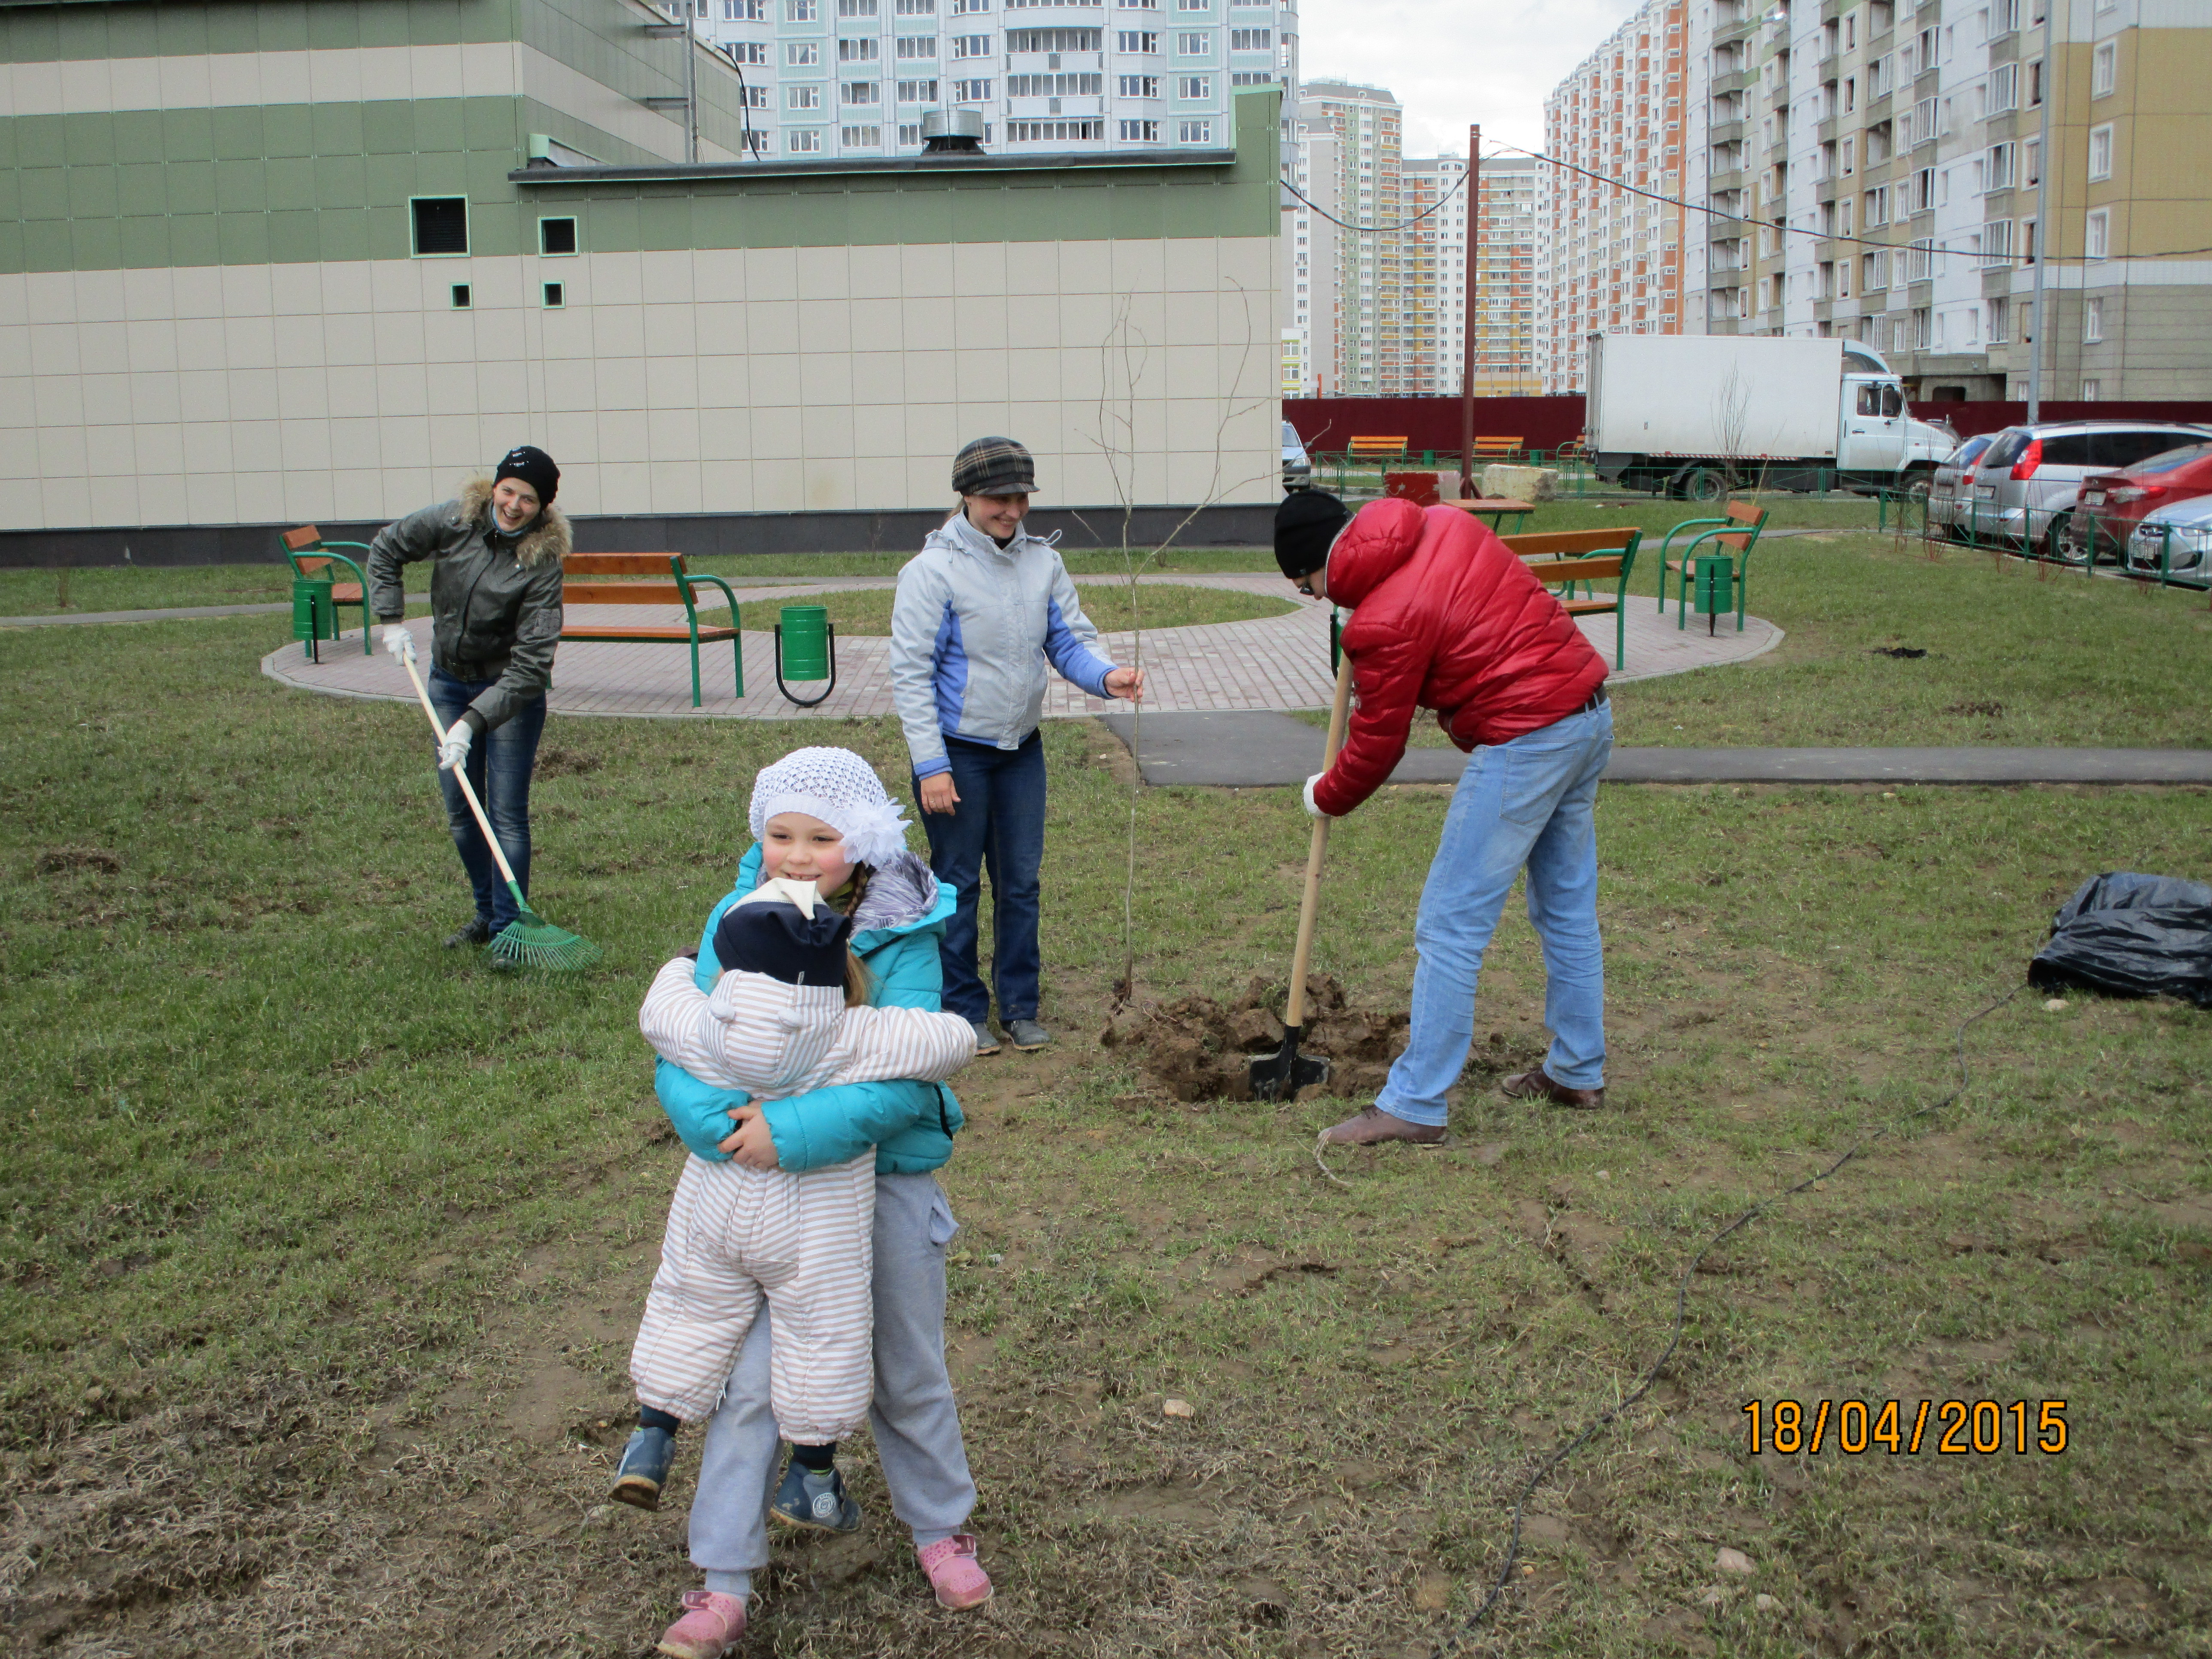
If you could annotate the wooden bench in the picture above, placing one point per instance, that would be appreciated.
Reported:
(1738, 532)
(597, 579)
(1377, 449)
(1498, 449)
(1496, 505)
(1566, 558)
(312, 560)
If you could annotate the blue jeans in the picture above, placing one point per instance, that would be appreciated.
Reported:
(499, 766)
(1528, 802)
(999, 827)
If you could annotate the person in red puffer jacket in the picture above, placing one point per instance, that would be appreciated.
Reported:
(1445, 618)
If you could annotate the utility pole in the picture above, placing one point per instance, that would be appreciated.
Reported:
(2042, 219)
(1467, 488)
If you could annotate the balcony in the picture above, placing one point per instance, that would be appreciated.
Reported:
(1725, 132)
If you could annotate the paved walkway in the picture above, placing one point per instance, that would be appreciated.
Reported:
(1271, 663)
(1256, 749)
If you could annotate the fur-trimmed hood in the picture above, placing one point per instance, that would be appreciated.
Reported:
(550, 538)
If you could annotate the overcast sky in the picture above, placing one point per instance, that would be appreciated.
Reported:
(1453, 62)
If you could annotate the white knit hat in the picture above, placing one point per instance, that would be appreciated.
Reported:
(840, 788)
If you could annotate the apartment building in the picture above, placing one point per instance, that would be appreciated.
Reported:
(1311, 301)
(1609, 261)
(854, 77)
(1349, 139)
(1873, 172)
(1435, 267)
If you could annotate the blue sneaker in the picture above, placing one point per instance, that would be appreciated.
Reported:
(644, 1469)
(818, 1501)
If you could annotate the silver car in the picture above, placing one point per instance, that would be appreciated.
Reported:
(2025, 483)
(1297, 467)
(2176, 540)
(1946, 485)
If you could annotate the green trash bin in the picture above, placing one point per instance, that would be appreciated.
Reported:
(806, 650)
(1715, 580)
(314, 615)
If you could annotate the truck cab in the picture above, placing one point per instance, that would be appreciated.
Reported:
(1871, 423)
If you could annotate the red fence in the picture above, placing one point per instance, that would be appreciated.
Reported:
(1329, 424)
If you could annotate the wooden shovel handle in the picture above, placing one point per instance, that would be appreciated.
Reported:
(1340, 711)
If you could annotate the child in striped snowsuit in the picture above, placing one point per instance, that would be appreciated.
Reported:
(777, 1024)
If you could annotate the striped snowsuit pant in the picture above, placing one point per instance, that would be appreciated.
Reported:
(805, 1243)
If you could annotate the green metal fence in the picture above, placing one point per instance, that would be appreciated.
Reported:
(2163, 554)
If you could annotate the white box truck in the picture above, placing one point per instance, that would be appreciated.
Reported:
(1696, 415)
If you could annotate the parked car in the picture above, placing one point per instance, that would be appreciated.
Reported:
(1946, 485)
(2025, 483)
(1297, 465)
(2111, 504)
(2179, 535)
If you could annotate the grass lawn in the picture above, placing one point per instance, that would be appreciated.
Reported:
(1159, 604)
(320, 1249)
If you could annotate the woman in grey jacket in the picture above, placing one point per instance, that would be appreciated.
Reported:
(496, 602)
(980, 611)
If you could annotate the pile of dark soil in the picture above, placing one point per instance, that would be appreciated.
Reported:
(1198, 1048)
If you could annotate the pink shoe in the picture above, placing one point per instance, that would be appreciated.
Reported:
(953, 1574)
(710, 1628)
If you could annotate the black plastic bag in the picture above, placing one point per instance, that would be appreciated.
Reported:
(2135, 935)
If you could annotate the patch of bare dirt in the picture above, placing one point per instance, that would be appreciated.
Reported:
(1198, 1048)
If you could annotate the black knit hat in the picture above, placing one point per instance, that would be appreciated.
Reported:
(1305, 524)
(771, 937)
(535, 468)
(993, 466)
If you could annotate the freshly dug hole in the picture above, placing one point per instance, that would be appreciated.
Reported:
(1198, 1048)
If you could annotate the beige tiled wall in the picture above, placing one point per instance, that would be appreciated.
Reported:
(740, 381)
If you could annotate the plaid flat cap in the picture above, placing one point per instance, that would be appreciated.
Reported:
(993, 466)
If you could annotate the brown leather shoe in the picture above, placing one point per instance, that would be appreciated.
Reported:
(1538, 1085)
(1374, 1126)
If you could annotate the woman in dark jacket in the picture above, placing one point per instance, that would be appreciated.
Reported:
(496, 602)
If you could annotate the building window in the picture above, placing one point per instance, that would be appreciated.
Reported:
(1043, 132)
(860, 137)
(753, 97)
(1194, 87)
(2004, 88)
(862, 92)
(745, 11)
(917, 8)
(2104, 69)
(802, 54)
(1194, 45)
(860, 51)
(2093, 320)
(1140, 86)
(2000, 320)
(460, 296)
(917, 92)
(1195, 132)
(1055, 86)
(802, 98)
(554, 296)
(441, 225)
(2100, 152)
(557, 236)
(2092, 390)
(1250, 77)
(1251, 39)
(803, 141)
(856, 8)
(2097, 234)
(909, 134)
(971, 92)
(743, 53)
(967, 9)
(1997, 175)
(917, 46)
(1997, 242)
(1142, 42)
(974, 46)
(1141, 132)
(801, 11)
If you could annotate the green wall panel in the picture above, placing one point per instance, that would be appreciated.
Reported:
(291, 182)
(187, 135)
(190, 186)
(140, 189)
(96, 243)
(138, 135)
(143, 243)
(91, 193)
(288, 129)
(88, 140)
(44, 193)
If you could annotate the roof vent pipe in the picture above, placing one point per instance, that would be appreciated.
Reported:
(949, 132)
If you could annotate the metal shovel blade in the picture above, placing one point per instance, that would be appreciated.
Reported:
(1280, 1075)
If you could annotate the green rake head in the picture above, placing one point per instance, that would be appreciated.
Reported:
(531, 941)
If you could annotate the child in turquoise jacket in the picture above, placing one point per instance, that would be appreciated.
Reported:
(898, 921)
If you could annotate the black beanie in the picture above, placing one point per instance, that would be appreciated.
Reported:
(535, 468)
(772, 938)
(1305, 524)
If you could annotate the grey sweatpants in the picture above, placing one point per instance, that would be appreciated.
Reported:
(914, 1418)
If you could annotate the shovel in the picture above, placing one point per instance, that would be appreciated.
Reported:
(1283, 1073)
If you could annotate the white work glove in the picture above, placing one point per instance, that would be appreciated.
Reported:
(1313, 810)
(399, 641)
(455, 748)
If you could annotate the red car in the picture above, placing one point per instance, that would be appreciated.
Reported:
(2111, 504)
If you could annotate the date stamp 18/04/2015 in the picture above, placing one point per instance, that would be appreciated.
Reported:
(1951, 1428)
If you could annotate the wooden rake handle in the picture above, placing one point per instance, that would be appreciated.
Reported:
(461, 777)
(1294, 1014)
